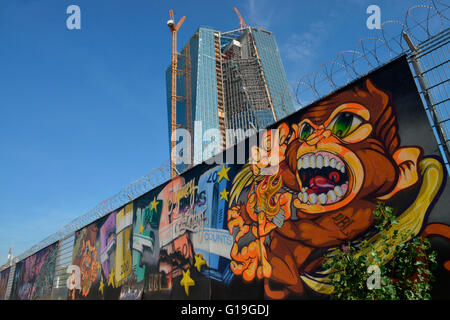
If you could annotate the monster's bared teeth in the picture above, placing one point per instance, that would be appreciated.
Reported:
(304, 197)
(303, 162)
(338, 191)
(332, 196)
(323, 198)
(333, 163)
(312, 161)
(313, 198)
(319, 161)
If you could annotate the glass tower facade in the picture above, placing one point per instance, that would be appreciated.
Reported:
(274, 73)
(197, 92)
(231, 80)
(206, 111)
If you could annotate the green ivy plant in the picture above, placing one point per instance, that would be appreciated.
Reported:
(358, 274)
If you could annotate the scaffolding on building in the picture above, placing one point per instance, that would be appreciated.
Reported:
(247, 99)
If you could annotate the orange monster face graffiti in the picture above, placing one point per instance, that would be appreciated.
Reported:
(334, 164)
(329, 173)
(341, 147)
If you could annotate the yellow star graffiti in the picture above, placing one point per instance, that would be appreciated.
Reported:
(111, 279)
(224, 195)
(141, 229)
(223, 173)
(187, 281)
(101, 286)
(154, 204)
(199, 262)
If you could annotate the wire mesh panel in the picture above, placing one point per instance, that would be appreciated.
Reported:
(433, 57)
(63, 261)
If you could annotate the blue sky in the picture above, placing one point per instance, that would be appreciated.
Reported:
(83, 112)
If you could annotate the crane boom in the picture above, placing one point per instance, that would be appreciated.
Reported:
(242, 23)
(174, 28)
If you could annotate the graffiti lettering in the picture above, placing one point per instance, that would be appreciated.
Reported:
(212, 177)
(192, 223)
(342, 222)
(182, 198)
(158, 282)
(218, 238)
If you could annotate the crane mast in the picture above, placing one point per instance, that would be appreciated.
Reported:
(174, 28)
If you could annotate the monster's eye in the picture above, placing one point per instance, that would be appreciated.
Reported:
(344, 124)
(305, 131)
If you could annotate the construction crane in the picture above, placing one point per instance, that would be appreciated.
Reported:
(242, 23)
(174, 28)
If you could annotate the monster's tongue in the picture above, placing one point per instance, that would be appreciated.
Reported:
(320, 185)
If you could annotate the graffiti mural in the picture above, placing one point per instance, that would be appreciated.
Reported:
(33, 277)
(180, 244)
(261, 229)
(335, 161)
(4, 277)
(86, 257)
(123, 259)
(213, 243)
(102, 251)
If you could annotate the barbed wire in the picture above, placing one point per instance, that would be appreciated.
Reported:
(421, 23)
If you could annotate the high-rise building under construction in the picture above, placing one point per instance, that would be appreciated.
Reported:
(227, 80)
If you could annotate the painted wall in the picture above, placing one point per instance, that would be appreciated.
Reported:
(4, 277)
(236, 231)
(33, 277)
(254, 231)
(102, 251)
